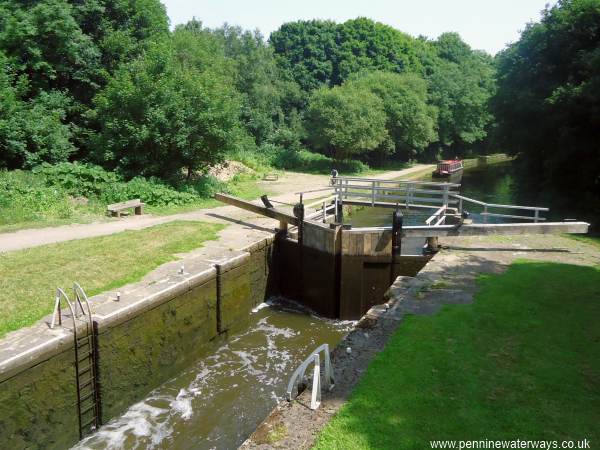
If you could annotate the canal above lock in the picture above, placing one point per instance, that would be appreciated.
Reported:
(494, 183)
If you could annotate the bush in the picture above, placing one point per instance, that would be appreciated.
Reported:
(24, 197)
(306, 161)
(93, 182)
(79, 180)
(151, 191)
(205, 186)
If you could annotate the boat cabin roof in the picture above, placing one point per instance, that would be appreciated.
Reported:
(450, 161)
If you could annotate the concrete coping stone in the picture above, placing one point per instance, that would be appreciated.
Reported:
(234, 262)
(30, 346)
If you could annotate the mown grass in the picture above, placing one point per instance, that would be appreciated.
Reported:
(29, 277)
(521, 362)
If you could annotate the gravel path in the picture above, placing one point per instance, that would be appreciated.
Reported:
(282, 190)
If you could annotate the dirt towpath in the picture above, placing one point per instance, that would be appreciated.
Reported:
(282, 190)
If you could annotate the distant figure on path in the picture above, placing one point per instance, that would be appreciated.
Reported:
(334, 174)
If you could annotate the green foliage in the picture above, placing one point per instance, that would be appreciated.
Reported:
(93, 182)
(305, 161)
(173, 108)
(306, 51)
(410, 121)
(151, 191)
(25, 197)
(267, 99)
(549, 97)
(78, 180)
(460, 81)
(318, 52)
(59, 53)
(32, 132)
(461, 84)
(345, 121)
(44, 42)
(367, 45)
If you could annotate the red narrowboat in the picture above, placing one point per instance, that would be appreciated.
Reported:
(447, 168)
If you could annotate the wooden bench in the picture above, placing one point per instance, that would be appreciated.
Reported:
(116, 208)
(271, 177)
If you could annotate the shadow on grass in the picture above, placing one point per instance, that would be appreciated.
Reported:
(521, 362)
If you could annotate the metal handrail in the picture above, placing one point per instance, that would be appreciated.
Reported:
(298, 376)
(378, 180)
(440, 214)
(57, 309)
(536, 217)
(80, 294)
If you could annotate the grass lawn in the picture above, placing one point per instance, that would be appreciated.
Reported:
(521, 362)
(29, 277)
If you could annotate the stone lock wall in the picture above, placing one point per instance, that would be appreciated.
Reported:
(140, 354)
(161, 325)
(37, 407)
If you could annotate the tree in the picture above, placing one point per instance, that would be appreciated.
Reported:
(410, 121)
(31, 131)
(70, 48)
(461, 84)
(172, 108)
(367, 45)
(548, 99)
(345, 121)
(268, 99)
(44, 42)
(306, 51)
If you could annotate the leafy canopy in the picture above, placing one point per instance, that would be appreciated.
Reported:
(173, 107)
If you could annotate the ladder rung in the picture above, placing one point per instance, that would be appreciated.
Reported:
(84, 341)
(88, 409)
(86, 384)
(87, 369)
(86, 396)
(89, 422)
(86, 355)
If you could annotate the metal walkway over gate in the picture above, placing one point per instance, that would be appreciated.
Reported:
(424, 195)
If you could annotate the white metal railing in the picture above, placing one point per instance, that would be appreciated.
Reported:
(416, 194)
(297, 378)
(439, 216)
(410, 194)
(324, 205)
(486, 206)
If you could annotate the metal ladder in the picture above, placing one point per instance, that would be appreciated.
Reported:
(88, 398)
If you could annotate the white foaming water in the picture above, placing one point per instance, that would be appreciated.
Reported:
(183, 403)
(219, 401)
(259, 307)
(140, 425)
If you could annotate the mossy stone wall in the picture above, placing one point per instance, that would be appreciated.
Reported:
(38, 407)
(140, 354)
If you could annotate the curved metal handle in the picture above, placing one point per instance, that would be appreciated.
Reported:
(61, 294)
